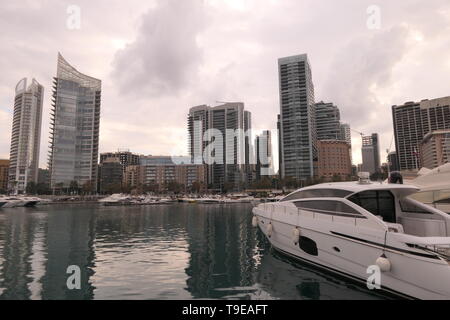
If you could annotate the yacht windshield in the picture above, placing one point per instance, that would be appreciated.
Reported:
(318, 193)
(379, 203)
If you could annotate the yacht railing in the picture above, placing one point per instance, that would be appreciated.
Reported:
(360, 221)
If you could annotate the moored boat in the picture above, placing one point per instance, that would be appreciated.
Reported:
(347, 228)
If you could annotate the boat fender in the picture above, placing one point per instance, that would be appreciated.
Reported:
(255, 221)
(296, 235)
(384, 263)
(269, 229)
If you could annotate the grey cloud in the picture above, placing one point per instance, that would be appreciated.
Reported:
(365, 63)
(165, 54)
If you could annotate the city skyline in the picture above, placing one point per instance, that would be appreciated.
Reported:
(237, 63)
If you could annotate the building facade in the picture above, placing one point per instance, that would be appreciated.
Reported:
(280, 153)
(328, 121)
(435, 149)
(264, 157)
(125, 158)
(26, 135)
(229, 127)
(132, 177)
(161, 171)
(371, 153)
(334, 159)
(346, 133)
(4, 175)
(393, 161)
(412, 121)
(111, 173)
(75, 127)
(297, 117)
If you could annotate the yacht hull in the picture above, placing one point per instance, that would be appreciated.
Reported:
(340, 252)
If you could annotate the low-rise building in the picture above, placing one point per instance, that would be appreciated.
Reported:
(111, 175)
(334, 159)
(162, 171)
(4, 172)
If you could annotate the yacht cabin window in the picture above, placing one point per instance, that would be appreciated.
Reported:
(318, 193)
(329, 207)
(409, 207)
(378, 202)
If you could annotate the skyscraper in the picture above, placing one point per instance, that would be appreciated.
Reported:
(412, 121)
(232, 147)
(297, 117)
(26, 135)
(371, 153)
(75, 126)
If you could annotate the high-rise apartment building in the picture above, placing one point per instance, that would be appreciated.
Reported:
(297, 117)
(75, 127)
(227, 126)
(412, 121)
(371, 153)
(26, 135)
(328, 121)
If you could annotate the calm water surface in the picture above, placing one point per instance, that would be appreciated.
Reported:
(180, 251)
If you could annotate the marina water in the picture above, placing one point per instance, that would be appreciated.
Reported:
(175, 251)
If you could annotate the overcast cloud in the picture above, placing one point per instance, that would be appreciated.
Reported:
(158, 58)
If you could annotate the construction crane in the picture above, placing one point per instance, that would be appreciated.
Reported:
(360, 133)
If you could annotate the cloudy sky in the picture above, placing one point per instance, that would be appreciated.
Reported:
(157, 58)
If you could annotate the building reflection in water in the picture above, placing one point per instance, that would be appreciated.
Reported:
(221, 246)
(38, 247)
(178, 251)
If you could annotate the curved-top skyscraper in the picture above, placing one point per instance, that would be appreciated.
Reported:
(26, 136)
(74, 128)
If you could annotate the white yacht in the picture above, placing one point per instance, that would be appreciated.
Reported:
(347, 227)
(11, 202)
(30, 201)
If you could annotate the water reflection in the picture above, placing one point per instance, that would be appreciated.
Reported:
(163, 252)
(222, 251)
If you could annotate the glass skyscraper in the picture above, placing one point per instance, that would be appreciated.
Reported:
(75, 126)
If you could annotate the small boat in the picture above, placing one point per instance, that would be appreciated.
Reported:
(350, 228)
